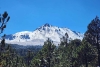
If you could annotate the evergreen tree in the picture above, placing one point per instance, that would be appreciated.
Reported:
(92, 35)
(73, 52)
(48, 49)
(64, 40)
(45, 56)
(4, 18)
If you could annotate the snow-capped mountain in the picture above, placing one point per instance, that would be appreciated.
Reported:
(41, 34)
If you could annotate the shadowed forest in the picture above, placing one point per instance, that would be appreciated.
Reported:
(75, 53)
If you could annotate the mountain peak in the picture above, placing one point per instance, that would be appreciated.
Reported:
(47, 25)
(41, 34)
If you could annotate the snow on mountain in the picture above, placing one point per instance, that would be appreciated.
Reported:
(41, 34)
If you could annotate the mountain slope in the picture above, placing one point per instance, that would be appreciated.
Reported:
(41, 34)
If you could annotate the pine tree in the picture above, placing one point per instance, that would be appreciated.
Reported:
(45, 56)
(4, 18)
(92, 35)
(64, 40)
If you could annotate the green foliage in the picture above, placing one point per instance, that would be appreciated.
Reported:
(92, 35)
(45, 56)
(4, 18)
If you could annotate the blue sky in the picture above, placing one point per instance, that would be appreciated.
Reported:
(30, 14)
